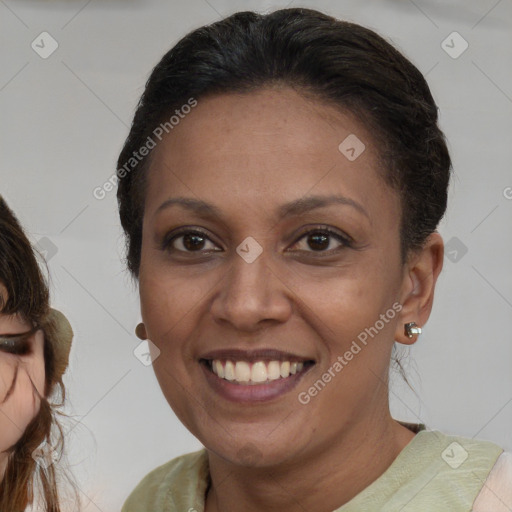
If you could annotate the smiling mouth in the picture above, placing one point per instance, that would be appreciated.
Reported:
(253, 373)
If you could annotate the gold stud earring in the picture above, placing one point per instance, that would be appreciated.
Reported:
(140, 331)
(410, 329)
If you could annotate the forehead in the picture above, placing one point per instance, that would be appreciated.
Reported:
(268, 146)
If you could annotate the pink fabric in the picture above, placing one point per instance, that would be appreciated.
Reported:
(496, 494)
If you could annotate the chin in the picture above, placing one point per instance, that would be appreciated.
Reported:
(252, 453)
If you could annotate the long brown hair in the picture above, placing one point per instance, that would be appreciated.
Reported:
(28, 295)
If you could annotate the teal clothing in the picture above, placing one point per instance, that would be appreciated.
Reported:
(433, 472)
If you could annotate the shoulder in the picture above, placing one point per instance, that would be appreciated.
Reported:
(496, 493)
(169, 486)
(457, 452)
(443, 468)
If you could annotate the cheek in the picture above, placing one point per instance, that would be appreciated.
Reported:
(23, 403)
(353, 317)
(172, 303)
(19, 408)
(342, 305)
(7, 371)
(173, 308)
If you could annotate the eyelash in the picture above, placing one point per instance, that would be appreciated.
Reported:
(346, 241)
(18, 345)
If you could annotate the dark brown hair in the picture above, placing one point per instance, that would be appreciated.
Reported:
(28, 295)
(342, 63)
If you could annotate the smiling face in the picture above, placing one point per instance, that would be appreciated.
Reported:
(234, 292)
(22, 372)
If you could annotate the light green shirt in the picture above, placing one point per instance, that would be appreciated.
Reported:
(434, 472)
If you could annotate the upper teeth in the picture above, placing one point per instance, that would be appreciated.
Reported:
(259, 371)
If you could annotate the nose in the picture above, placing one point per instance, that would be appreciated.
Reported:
(252, 295)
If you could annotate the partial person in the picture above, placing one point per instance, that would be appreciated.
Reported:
(35, 342)
(281, 218)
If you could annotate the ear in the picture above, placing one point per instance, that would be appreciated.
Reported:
(418, 283)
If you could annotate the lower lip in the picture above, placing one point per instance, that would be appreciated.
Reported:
(252, 392)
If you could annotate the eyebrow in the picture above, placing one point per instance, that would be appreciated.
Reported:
(293, 208)
(20, 336)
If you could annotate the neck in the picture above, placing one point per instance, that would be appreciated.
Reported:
(321, 482)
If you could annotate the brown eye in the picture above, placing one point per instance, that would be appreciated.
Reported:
(319, 239)
(189, 241)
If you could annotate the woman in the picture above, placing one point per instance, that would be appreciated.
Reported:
(280, 190)
(35, 341)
